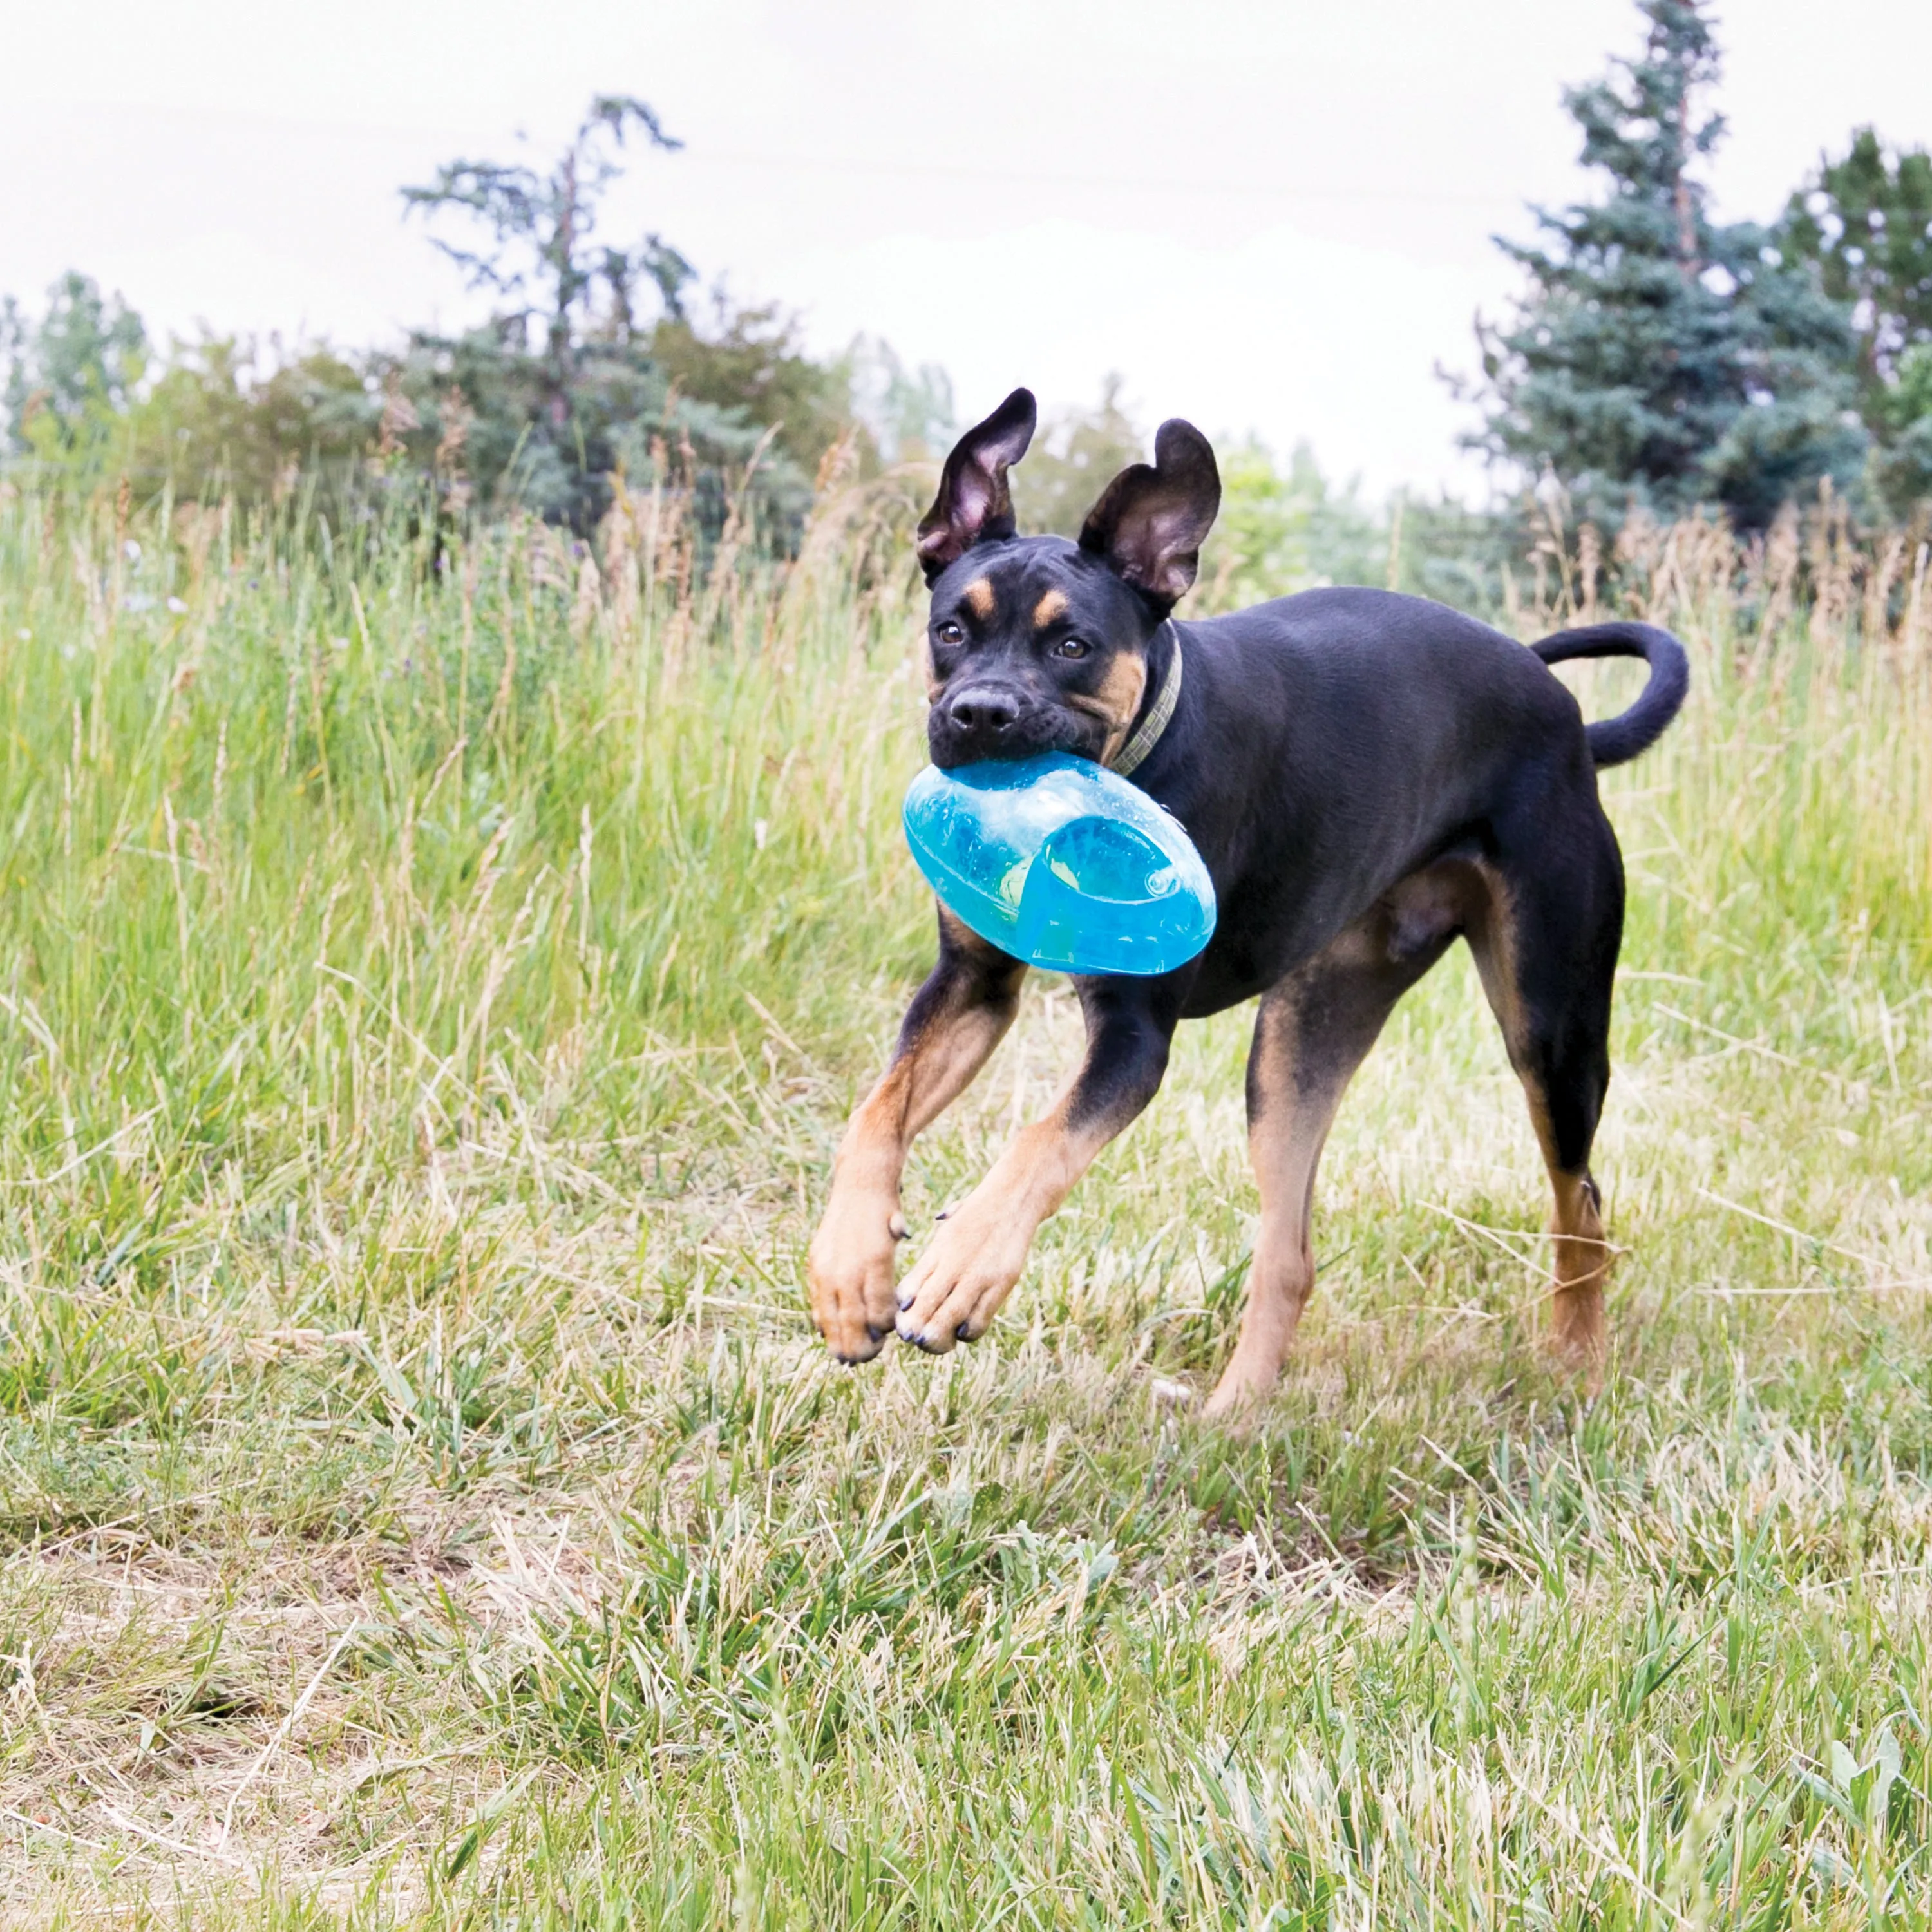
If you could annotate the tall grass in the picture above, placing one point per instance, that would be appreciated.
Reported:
(433, 973)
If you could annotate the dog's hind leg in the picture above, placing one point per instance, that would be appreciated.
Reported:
(954, 1021)
(1545, 941)
(1314, 1029)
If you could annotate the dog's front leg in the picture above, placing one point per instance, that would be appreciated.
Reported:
(980, 1249)
(950, 1030)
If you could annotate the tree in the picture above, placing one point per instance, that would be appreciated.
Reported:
(908, 412)
(71, 375)
(85, 399)
(555, 389)
(223, 419)
(540, 245)
(1864, 222)
(749, 361)
(1656, 355)
(1077, 454)
(591, 366)
(1902, 463)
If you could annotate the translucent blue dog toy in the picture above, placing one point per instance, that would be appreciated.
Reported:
(1062, 863)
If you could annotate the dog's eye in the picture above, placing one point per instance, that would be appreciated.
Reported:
(949, 633)
(1072, 647)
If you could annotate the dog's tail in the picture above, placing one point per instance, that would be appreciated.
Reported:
(1614, 740)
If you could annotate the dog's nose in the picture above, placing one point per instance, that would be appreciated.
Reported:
(982, 709)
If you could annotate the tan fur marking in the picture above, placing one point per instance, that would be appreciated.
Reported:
(1581, 1254)
(1314, 1029)
(1284, 1143)
(980, 599)
(1493, 940)
(1031, 1179)
(1049, 609)
(1117, 701)
(850, 1264)
(978, 1253)
(934, 683)
(1427, 906)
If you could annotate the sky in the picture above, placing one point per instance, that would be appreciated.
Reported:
(1273, 219)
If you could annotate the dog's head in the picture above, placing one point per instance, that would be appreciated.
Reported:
(1037, 644)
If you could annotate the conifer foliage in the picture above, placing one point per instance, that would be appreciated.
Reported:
(1865, 221)
(1658, 356)
(590, 367)
(547, 395)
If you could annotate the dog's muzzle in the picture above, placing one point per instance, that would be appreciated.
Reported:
(994, 721)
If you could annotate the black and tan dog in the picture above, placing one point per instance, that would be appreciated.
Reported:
(1367, 777)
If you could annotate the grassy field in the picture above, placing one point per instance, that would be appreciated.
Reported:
(430, 989)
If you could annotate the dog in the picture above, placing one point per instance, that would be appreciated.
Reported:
(1368, 777)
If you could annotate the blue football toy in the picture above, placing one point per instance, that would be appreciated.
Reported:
(1062, 863)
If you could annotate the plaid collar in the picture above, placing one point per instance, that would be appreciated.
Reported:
(1136, 750)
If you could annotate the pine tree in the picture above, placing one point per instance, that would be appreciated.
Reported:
(589, 365)
(1865, 221)
(1657, 356)
(561, 368)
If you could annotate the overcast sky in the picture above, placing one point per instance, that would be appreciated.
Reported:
(1267, 217)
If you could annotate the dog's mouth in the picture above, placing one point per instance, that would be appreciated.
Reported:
(952, 742)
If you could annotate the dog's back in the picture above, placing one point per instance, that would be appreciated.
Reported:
(1340, 740)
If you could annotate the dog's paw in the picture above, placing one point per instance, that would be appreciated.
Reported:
(1247, 1381)
(1237, 1399)
(849, 1267)
(976, 1256)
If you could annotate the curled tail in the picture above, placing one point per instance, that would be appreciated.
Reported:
(1614, 740)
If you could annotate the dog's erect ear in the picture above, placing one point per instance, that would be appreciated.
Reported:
(973, 505)
(1151, 521)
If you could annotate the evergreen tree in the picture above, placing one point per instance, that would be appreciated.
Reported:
(1903, 464)
(545, 388)
(1865, 221)
(591, 367)
(1659, 356)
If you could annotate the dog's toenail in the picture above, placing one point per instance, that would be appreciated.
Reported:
(897, 1228)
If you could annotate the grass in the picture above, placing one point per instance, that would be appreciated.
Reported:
(430, 989)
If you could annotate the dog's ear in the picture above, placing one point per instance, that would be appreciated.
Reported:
(1151, 521)
(973, 505)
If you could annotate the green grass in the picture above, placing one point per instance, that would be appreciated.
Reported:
(429, 994)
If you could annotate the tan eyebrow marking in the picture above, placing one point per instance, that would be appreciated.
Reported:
(980, 598)
(1049, 609)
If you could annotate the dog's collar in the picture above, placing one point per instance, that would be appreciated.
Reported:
(1136, 750)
